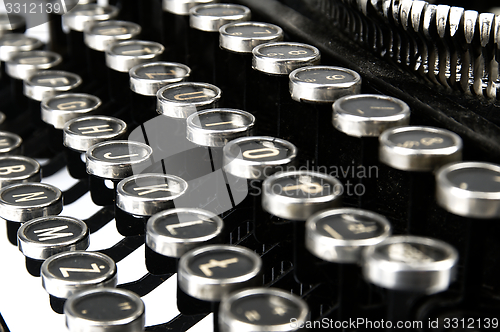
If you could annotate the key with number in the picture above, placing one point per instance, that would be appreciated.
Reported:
(419, 151)
(41, 238)
(76, 20)
(98, 36)
(22, 202)
(262, 309)
(57, 110)
(316, 88)
(145, 81)
(295, 196)
(121, 57)
(409, 267)
(114, 161)
(269, 96)
(140, 196)
(68, 273)
(172, 233)
(81, 133)
(364, 118)
(339, 236)
(176, 27)
(237, 41)
(211, 272)
(203, 43)
(105, 309)
(255, 158)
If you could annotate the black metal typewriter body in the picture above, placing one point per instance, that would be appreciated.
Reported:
(395, 56)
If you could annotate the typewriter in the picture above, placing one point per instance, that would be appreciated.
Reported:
(255, 165)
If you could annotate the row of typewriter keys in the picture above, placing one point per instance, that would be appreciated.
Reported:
(202, 139)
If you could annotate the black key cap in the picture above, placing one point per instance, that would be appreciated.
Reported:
(22, 202)
(105, 309)
(18, 169)
(10, 144)
(364, 118)
(12, 43)
(316, 88)
(98, 36)
(419, 151)
(121, 57)
(57, 110)
(145, 81)
(233, 64)
(262, 309)
(295, 196)
(269, 96)
(41, 238)
(211, 272)
(172, 233)
(114, 160)
(140, 196)
(205, 21)
(68, 273)
(81, 133)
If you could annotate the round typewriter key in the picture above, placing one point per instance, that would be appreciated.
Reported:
(180, 100)
(269, 97)
(81, 133)
(22, 202)
(48, 83)
(57, 110)
(316, 88)
(105, 309)
(340, 236)
(60, 109)
(40, 238)
(68, 273)
(364, 118)
(409, 266)
(471, 190)
(10, 144)
(295, 196)
(18, 169)
(237, 40)
(145, 81)
(172, 233)
(11, 44)
(211, 272)
(122, 56)
(176, 26)
(77, 19)
(11, 23)
(255, 158)
(22, 66)
(99, 36)
(114, 160)
(140, 196)
(419, 150)
(17, 42)
(205, 21)
(216, 127)
(262, 309)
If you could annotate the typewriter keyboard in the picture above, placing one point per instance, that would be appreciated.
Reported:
(263, 165)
